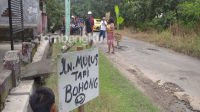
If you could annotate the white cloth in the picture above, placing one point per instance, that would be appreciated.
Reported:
(103, 25)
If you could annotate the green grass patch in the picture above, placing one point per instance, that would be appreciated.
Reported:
(52, 81)
(188, 44)
(117, 94)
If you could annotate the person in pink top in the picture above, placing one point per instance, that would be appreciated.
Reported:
(110, 35)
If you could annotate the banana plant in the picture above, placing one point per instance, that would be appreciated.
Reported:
(120, 19)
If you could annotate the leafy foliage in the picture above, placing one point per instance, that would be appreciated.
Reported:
(160, 14)
(55, 12)
(190, 11)
(98, 7)
(120, 20)
(142, 14)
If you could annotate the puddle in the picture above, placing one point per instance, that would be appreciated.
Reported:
(152, 49)
(122, 48)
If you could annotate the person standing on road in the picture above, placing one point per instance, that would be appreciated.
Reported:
(89, 23)
(103, 29)
(110, 37)
(81, 25)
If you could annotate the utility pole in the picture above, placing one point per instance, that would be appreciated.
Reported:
(67, 18)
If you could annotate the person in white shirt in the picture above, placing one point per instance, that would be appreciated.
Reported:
(103, 29)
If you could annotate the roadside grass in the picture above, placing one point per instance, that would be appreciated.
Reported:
(51, 81)
(117, 94)
(187, 44)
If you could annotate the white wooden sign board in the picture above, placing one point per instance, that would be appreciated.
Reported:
(78, 78)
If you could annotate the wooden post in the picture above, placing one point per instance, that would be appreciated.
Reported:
(81, 108)
(79, 48)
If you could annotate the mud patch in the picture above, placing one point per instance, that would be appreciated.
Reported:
(162, 95)
(177, 104)
(132, 71)
(171, 87)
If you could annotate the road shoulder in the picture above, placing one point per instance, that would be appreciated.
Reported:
(158, 94)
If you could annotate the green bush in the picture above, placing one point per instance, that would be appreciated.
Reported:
(160, 14)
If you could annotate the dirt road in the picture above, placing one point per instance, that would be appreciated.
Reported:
(163, 71)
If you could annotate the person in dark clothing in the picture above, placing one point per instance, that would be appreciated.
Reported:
(88, 26)
(63, 29)
(89, 23)
(43, 100)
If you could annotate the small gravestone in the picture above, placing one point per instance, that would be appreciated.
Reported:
(27, 48)
(12, 62)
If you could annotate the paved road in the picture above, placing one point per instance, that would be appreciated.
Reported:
(4, 47)
(163, 65)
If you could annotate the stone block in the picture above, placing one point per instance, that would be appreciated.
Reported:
(17, 103)
(24, 88)
(18, 99)
(26, 54)
(42, 51)
(12, 62)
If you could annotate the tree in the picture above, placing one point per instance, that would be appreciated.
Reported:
(55, 12)
(98, 7)
(158, 14)
(190, 12)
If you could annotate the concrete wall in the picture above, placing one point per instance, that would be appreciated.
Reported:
(5, 86)
(32, 18)
(31, 13)
(18, 98)
(5, 36)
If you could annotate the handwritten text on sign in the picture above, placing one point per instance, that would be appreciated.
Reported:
(78, 78)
